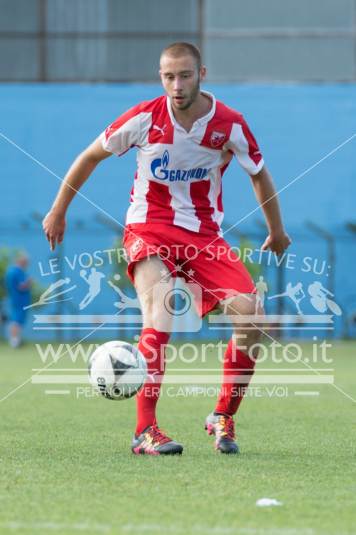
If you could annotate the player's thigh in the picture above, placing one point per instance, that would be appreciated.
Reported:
(153, 282)
(242, 304)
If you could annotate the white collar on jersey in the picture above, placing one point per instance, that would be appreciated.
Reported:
(202, 120)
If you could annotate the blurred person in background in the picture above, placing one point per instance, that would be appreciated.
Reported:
(18, 286)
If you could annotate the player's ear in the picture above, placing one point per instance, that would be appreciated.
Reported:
(202, 73)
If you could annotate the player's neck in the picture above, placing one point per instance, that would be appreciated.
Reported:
(199, 108)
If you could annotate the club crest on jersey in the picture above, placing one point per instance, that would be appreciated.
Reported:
(217, 138)
(159, 169)
(136, 247)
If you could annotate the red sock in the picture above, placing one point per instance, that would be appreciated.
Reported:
(238, 370)
(151, 345)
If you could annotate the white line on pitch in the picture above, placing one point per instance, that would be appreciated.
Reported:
(306, 393)
(57, 392)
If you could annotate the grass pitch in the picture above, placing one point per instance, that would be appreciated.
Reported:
(66, 466)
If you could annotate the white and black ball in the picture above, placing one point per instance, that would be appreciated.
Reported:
(117, 369)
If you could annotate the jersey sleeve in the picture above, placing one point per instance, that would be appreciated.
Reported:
(123, 133)
(244, 145)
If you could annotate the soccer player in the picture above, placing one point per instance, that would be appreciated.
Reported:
(185, 140)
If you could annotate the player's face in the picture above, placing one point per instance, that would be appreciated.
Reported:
(181, 80)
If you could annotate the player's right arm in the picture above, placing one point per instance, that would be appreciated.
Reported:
(54, 223)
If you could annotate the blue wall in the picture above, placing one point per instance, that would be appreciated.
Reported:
(295, 125)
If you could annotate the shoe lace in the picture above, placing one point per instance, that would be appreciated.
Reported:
(157, 435)
(226, 427)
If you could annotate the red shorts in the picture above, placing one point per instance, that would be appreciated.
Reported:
(205, 260)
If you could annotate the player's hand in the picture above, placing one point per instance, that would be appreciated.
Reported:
(277, 243)
(54, 225)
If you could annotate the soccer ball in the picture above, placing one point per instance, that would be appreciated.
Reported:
(117, 369)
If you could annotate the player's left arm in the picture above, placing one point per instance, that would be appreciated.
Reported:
(244, 145)
(277, 240)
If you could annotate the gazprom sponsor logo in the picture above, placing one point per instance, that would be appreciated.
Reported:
(159, 169)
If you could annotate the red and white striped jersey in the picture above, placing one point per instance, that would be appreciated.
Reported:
(178, 178)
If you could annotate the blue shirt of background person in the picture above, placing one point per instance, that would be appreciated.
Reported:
(18, 286)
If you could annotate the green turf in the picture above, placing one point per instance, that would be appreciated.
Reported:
(66, 466)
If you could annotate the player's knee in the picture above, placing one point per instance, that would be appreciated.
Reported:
(255, 336)
(155, 315)
(247, 336)
(161, 319)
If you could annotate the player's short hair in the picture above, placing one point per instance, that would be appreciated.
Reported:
(179, 49)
